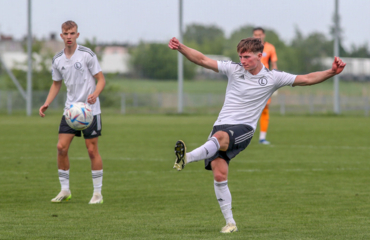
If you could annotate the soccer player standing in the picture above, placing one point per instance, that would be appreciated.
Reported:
(250, 85)
(268, 56)
(78, 66)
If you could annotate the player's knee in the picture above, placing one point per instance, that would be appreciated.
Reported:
(92, 151)
(223, 139)
(220, 177)
(62, 149)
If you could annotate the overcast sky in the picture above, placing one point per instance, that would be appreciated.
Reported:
(129, 21)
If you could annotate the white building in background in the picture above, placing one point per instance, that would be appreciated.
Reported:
(203, 73)
(356, 69)
(115, 59)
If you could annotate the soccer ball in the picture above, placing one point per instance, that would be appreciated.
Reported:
(79, 116)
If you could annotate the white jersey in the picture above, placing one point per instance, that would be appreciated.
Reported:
(247, 94)
(77, 73)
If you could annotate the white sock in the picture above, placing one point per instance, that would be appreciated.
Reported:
(223, 196)
(205, 151)
(64, 179)
(263, 135)
(97, 177)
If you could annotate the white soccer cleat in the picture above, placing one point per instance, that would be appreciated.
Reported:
(264, 142)
(229, 228)
(63, 195)
(97, 198)
(180, 151)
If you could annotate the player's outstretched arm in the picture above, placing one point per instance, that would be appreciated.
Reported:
(318, 77)
(53, 92)
(193, 55)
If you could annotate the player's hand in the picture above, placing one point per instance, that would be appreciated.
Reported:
(338, 65)
(43, 109)
(174, 44)
(92, 98)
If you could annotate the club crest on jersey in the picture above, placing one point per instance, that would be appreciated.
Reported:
(78, 65)
(262, 81)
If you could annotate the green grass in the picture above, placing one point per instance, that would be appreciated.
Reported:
(312, 183)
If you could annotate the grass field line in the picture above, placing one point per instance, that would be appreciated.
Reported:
(302, 170)
(324, 147)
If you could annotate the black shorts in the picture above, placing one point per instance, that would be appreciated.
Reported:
(240, 137)
(93, 131)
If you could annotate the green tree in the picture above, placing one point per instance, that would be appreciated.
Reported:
(308, 49)
(157, 61)
(206, 39)
(361, 51)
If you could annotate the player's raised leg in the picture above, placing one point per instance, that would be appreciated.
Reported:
(220, 170)
(64, 141)
(206, 150)
(96, 169)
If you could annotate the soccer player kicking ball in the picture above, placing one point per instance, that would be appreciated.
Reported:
(250, 85)
(78, 66)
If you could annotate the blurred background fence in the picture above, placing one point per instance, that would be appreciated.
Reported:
(285, 102)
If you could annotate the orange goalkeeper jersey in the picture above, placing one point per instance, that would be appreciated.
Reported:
(269, 54)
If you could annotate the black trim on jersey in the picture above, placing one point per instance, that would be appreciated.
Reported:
(237, 63)
(85, 49)
(59, 54)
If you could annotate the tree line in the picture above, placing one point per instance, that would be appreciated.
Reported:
(155, 61)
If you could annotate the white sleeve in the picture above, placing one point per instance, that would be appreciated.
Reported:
(283, 79)
(93, 65)
(224, 67)
(55, 74)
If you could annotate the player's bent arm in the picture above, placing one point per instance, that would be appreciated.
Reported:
(274, 65)
(100, 83)
(198, 57)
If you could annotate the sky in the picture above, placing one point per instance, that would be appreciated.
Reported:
(130, 21)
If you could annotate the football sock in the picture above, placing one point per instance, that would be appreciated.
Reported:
(263, 135)
(64, 179)
(205, 151)
(223, 196)
(97, 176)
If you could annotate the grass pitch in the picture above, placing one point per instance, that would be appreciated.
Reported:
(312, 183)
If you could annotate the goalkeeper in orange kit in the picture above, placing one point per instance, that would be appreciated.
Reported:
(268, 56)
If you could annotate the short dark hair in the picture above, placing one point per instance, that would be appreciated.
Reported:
(258, 29)
(250, 45)
(69, 24)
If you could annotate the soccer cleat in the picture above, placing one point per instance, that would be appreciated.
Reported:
(264, 142)
(180, 151)
(97, 198)
(229, 228)
(63, 195)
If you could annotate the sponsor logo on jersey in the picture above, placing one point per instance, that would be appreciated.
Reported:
(232, 132)
(78, 65)
(262, 81)
(264, 54)
(63, 68)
